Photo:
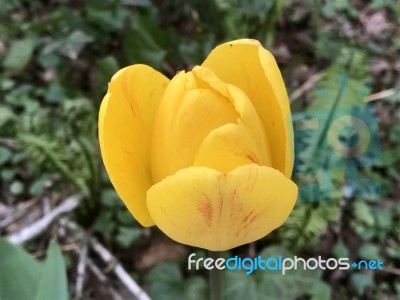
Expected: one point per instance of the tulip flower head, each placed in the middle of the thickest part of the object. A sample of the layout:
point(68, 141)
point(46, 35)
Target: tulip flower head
point(206, 156)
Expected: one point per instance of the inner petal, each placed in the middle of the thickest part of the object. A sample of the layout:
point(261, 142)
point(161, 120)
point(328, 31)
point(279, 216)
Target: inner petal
point(201, 112)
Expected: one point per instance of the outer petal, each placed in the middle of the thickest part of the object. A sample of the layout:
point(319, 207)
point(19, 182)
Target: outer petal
point(125, 127)
point(247, 65)
point(217, 211)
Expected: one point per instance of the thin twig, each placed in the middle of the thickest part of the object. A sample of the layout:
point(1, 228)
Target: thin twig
point(109, 259)
point(102, 278)
point(63, 248)
point(8, 143)
point(82, 253)
point(380, 95)
point(20, 210)
point(81, 270)
point(306, 86)
point(41, 225)
point(392, 271)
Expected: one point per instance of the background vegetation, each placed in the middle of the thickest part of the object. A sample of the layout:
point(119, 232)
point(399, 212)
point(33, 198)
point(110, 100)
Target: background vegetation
point(56, 57)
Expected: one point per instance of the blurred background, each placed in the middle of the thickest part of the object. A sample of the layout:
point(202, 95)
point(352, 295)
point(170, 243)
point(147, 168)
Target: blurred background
point(337, 57)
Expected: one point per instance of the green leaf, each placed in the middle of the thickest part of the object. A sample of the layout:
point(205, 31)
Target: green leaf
point(127, 236)
point(239, 286)
point(369, 251)
point(143, 44)
point(7, 174)
point(360, 281)
point(124, 217)
point(20, 272)
point(6, 115)
point(5, 155)
point(107, 19)
point(74, 43)
point(53, 284)
point(137, 2)
point(320, 291)
point(55, 93)
point(340, 250)
point(19, 54)
point(16, 187)
point(295, 283)
point(341, 4)
point(37, 186)
point(165, 282)
point(108, 66)
point(363, 213)
point(110, 198)
point(105, 223)
point(196, 288)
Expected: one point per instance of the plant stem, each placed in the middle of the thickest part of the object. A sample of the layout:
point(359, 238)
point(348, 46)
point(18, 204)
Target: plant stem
point(216, 285)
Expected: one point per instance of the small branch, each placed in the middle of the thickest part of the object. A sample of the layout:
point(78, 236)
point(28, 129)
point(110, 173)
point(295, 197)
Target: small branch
point(380, 95)
point(81, 271)
point(41, 225)
point(102, 278)
point(125, 278)
point(392, 271)
point(20, 210)
point(306, 86)
point(109, 259)
point(8, 143)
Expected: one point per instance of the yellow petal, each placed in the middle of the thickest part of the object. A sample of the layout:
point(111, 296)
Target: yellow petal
point(205, 208)
point(227, 148)
point(248, 115)
point(247, 65)
point(183, 120)
point(125, 127)
point(164, 125)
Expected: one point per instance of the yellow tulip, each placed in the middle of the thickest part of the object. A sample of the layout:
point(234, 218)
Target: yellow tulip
point(207, 156)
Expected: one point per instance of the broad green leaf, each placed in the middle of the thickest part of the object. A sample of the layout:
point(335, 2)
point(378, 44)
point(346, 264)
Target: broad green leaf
point(295, 283)
point(104, 222)
point(143, 44)
point(16, 187)
point(74, 43)
point(109, 198)
point(340, 250)
point(239, 286)
point(320, 291)
point(53, 284)
point(38, 186)
point(19, 272)
point(6, 115)
point(360, 281)
point(127, 235)
point(137, 2)
point(106, 18)
point(363, 213)
point(108, 66)
point(5, 155)
point(165, 282)
point(196, 288)
point(19, 54)
point(55, 92)
point(369, 251)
